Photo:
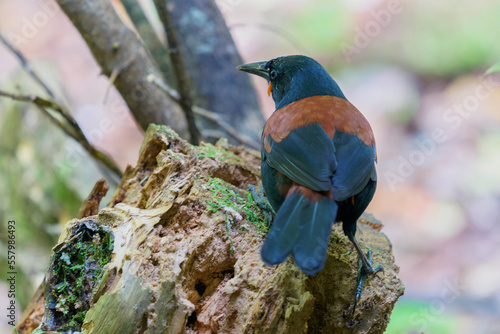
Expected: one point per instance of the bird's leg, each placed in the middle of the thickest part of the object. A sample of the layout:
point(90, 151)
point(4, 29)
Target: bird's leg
point(365, 268)
point(263, 203)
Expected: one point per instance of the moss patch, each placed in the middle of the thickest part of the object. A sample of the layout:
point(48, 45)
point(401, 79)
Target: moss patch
point(225, 195)
point(74, 273)
point(210, 151)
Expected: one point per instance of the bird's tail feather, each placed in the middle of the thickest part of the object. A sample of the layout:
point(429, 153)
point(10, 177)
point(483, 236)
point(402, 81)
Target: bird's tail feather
point(302, 226)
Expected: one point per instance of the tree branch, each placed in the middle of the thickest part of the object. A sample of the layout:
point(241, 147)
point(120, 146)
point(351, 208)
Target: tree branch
point(217, 119)
point(212, 116)
point(68, 124)
point(115, 46)
point(26, 65)
point(210, 57)
point(149, 37)
point(171, 93)
point(181, 77)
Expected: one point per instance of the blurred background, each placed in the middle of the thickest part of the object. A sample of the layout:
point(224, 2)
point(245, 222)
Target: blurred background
point(416, 69)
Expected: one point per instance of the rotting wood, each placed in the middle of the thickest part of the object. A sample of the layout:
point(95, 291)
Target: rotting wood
point(186, 254)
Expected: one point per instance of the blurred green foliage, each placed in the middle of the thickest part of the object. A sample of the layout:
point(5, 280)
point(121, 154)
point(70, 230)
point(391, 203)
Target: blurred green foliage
point(34, 194)
point(320, 28)
point(446, 38)
point(432, 38)
point(411, 316)
point(45, 175)
point(493, 69)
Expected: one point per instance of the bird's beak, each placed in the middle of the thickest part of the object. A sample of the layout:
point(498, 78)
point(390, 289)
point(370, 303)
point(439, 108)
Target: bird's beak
point(257, 68)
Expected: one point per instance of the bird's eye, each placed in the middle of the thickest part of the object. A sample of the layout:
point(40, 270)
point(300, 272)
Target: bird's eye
point(273, 74)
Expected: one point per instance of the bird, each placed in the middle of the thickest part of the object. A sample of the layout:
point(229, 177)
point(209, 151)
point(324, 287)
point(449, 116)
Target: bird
point(317, 166)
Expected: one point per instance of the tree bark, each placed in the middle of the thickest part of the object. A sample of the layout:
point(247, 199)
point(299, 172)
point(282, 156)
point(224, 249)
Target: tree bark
point(210, 57)
point(177, 250)
point(183, 84)
point(124, 57)
point(152, 41)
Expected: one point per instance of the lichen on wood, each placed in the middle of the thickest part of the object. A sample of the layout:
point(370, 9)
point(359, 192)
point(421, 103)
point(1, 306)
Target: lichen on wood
point(186, 254)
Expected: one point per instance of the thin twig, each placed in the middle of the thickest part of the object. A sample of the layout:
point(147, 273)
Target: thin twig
point(181, 76)
point(40, 101)
point(111, 82)
point(68, 124)
point(26, 65)
point(171, 93)
point(70, 128)
point(114, 74)
point(214, 117)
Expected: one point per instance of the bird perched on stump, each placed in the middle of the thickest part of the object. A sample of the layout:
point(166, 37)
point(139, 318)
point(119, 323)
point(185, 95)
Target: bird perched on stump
point(318, 164)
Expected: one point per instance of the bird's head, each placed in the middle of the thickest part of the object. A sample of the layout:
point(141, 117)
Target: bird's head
point(292, 78)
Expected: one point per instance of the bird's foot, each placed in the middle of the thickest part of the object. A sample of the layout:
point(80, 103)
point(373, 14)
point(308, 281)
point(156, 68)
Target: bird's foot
point(261, 200)
point(365, 268)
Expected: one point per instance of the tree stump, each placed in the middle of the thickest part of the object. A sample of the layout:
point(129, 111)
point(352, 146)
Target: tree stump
point(177, 250)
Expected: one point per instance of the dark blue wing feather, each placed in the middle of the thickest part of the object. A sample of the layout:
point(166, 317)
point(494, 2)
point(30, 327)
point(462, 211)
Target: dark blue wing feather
point(306, 156)
point(356, 165)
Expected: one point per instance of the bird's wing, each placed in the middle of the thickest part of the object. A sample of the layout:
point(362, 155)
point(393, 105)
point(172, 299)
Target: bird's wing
point(321, 142)
point(306, 156)
point(355, 165)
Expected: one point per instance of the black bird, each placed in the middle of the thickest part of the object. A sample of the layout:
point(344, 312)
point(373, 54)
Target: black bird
point(318, 164)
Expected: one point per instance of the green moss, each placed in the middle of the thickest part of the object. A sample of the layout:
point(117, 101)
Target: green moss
point(225, 196)
point(210, 151)
point(74, 273)
point(77, 320)
point(168, 132)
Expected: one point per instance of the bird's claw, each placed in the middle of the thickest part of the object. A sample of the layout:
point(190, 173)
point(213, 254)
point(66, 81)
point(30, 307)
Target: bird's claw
point(365, 269)
point(368, 269)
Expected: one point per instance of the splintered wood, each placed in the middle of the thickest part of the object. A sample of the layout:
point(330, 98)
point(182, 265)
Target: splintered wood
point(186, 254)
